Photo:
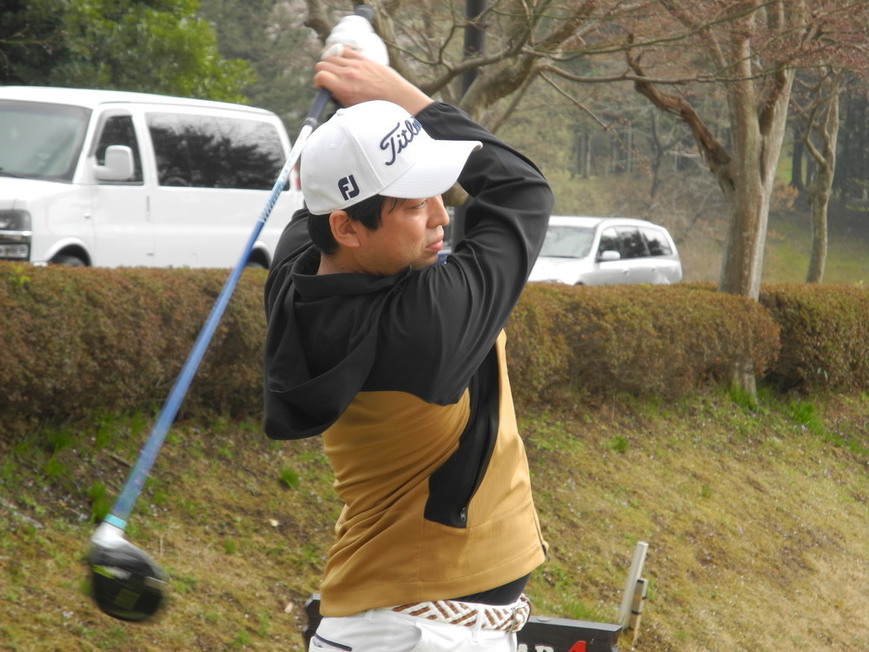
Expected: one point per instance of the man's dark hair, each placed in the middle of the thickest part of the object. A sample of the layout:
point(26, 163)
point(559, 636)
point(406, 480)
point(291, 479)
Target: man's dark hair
point(367, 212)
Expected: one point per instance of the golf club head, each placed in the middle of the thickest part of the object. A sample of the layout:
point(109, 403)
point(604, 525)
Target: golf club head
point(125, 582)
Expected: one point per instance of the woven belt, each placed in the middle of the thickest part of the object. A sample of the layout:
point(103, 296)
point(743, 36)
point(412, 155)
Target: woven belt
point(506, 618)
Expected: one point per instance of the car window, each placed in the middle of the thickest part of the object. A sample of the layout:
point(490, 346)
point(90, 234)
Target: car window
point(567, 242)
point(609, 241)
point(632, 242)
point(657, 242)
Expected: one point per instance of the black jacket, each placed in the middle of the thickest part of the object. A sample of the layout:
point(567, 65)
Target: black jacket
point(325, 333)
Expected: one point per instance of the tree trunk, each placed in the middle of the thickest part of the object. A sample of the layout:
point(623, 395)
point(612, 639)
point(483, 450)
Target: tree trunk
point(821, 189)
point(818, 258)
point(797, 159)
point(758, 117)
point(742, 263)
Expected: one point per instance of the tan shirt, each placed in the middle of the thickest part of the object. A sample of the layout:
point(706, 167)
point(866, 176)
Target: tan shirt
point(383, 449)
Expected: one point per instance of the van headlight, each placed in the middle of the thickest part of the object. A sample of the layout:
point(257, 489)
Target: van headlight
point(15, 235)
point(14, 221)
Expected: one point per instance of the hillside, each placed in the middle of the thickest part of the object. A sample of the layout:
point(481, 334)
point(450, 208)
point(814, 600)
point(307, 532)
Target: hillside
point(756, 523)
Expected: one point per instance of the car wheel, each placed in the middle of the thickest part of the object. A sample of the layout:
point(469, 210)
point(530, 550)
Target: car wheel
point(69, 261)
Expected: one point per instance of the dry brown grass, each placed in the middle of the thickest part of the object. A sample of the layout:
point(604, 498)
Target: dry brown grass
point(756, 524)
point(757, 528)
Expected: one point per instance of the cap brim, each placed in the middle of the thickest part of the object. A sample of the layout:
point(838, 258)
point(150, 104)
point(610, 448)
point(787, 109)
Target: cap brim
point(435, 172)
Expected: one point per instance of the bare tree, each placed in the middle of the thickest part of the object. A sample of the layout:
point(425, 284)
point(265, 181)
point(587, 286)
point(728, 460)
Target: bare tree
point(820, 135)
point(523, 40)
point(751, 49)
point(844, 62)
point(738, 39)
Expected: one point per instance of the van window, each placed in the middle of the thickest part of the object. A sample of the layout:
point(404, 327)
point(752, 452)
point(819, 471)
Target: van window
point(215, 152)
point(40, 140)
point(657, 242)
point(118, 130)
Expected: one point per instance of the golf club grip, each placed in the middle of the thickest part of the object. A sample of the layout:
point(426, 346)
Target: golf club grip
point(135, 481)
point(317, 107)
point(323, 96)
point(365, 11)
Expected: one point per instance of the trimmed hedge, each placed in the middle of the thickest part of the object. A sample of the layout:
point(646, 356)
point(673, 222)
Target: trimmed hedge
point(665, 341)
point(79, 339)
point(74, 340)
point(825, 337)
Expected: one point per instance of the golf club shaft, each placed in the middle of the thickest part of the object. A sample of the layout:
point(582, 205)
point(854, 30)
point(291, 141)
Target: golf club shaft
point(120, 511)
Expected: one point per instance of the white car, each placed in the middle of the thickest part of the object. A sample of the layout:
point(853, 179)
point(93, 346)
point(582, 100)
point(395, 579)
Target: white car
point(607, 251)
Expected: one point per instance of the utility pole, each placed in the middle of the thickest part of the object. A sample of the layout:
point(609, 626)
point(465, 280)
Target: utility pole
point(475, 38)
point(475, 43)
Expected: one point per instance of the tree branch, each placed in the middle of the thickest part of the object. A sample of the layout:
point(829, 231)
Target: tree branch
point(573, 100)
point(711, 149)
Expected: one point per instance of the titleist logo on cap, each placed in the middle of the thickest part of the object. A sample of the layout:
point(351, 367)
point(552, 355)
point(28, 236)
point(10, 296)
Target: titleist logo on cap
point(393, 143)
point(397, 138)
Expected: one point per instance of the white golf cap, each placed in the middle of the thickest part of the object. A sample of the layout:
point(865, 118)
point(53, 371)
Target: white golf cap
point(376, 148)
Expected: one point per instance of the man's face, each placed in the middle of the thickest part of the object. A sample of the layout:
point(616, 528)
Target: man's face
point(410, 235)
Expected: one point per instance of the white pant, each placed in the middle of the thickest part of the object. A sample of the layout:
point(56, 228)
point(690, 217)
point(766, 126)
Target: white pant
point(383, 630)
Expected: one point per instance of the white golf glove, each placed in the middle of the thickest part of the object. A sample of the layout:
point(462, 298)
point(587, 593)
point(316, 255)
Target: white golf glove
point(357, 33)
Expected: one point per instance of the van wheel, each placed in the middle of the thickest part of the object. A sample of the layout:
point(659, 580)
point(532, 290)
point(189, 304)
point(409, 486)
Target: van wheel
point(69, 261)
point(254, 264)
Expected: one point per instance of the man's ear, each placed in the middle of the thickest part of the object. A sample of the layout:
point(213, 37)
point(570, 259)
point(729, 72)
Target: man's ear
point(344, 230)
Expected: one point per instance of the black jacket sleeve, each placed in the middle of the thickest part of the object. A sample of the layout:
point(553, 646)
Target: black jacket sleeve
point(461, 306)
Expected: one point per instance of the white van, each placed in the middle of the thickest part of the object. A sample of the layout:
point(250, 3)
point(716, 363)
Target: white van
point(110, 178)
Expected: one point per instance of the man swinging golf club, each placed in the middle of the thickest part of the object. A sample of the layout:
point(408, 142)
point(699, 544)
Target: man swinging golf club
point(399, 363)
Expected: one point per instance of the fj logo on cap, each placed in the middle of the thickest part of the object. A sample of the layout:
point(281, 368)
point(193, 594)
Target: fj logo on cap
point(347, 186)
point(397, 139)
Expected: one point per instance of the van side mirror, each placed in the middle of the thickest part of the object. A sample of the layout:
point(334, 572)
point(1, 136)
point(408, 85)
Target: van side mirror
point(609, 255)
point(118, 165)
